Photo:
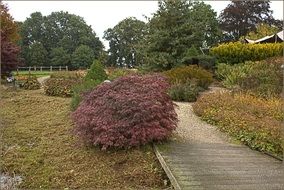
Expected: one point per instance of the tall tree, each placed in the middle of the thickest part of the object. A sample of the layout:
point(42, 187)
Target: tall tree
point(59, 57)
point(175, 27)
point(123, 40)
point(82, 57)
point(37, 54)
point(59, 29)
point(241, 17)
point(9, 37)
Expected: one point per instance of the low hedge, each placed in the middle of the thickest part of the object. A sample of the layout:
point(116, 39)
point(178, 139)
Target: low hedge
point(237, 52)
point(190, 74)
point(254, 121)
point(31, 83)
point(60, 86)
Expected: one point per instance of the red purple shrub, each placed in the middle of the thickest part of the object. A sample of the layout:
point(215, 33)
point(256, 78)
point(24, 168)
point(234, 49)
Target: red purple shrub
point(130, 111)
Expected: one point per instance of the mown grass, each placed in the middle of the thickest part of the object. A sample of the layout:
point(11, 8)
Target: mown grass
point(34, 73)
point(38, 144)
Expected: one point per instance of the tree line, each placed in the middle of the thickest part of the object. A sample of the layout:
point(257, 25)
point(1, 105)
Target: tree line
point(164, 40)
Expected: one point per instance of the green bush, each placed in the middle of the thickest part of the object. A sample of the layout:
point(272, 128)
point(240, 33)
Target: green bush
point(95, 76)
point(205, 61)
point(190, 74)
point(184, 92)
point(59, 86)
point(96, 72)
point(255, 121)
point(31, 83)
point(237, 52)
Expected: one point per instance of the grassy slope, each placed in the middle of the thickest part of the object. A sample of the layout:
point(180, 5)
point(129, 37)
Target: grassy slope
point(37, 143)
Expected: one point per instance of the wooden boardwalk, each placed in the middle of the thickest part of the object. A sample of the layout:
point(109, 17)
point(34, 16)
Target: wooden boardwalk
point(202, 166)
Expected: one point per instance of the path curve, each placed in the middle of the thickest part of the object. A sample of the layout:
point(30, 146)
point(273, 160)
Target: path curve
point(42, 79)
point(202, 157)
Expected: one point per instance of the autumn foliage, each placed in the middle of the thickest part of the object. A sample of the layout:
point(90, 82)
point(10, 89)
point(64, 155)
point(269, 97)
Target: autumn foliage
point(9, 35)
point(130, 111)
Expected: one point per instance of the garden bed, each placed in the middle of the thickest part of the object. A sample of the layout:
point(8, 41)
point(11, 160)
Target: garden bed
point(38, 144)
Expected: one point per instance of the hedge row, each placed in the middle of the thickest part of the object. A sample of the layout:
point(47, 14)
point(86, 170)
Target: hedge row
point(237, 52)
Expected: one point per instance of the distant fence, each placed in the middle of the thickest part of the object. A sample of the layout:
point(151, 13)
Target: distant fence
point(43, 68)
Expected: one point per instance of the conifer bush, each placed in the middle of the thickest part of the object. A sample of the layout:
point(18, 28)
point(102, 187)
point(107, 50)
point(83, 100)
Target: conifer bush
point(94, 76)
point(130, 111)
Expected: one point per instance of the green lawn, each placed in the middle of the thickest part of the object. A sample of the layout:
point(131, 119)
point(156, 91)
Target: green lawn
point(38, 144)
point(34, 73)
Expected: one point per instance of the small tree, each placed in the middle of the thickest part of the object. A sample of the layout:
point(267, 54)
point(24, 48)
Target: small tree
point(82, 57)
point(96, 72)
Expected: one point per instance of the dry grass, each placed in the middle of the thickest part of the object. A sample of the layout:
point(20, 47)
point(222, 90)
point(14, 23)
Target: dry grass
point(38, 144)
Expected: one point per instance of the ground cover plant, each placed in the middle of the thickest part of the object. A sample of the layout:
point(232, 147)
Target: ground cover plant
point(37, 143)
point(130, 111)
point(264, 78)
point(254, 121)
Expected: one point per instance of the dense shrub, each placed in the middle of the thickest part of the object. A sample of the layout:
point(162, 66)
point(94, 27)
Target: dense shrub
point(265, 78)
point(184, 92)
point(117, 72)
point(205, 61)
point(68, 74)
point(192, 74)
point(96, 72)
point(31, 83)
point(59, 86)
point(95, 76)
point(130, 111)
point(236, 52)
point(254, 121)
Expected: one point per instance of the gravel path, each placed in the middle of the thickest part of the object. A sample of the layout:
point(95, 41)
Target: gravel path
point(191, 128)
point(42, 79)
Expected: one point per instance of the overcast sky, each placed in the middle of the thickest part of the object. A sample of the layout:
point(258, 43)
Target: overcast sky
point(102, 15)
